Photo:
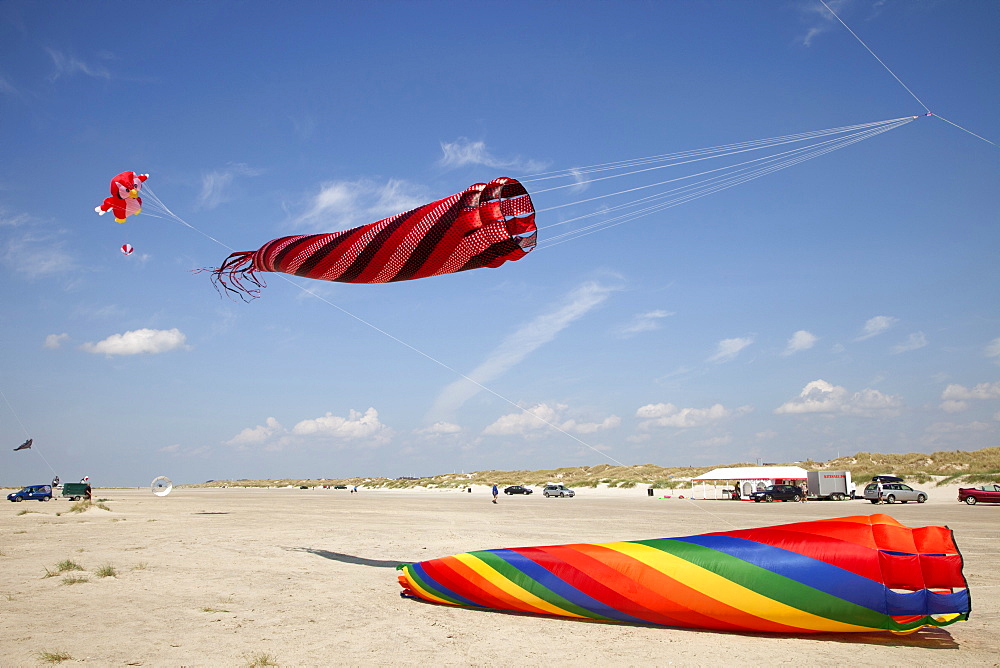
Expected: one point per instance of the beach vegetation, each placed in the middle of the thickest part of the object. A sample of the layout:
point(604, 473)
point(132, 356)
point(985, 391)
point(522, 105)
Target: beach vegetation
point(106, 571)
point(74, 579)
point(941, 467)
point(54, 657)
point(25, 512)
point(258, 659)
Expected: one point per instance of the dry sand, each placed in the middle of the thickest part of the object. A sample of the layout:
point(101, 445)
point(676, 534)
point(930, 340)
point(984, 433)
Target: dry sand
point(226, 577)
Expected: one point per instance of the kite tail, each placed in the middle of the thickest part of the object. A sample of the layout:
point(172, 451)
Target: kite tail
point(235, 273)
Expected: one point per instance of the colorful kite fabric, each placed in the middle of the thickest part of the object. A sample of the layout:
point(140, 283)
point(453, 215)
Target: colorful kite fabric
point(485, 225)
point(124, 200)
point(852, 574)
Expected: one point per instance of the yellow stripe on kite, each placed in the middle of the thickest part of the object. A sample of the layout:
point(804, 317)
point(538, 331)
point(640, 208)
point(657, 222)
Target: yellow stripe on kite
point(721, 589)
point(424, 593)
point(515, 591)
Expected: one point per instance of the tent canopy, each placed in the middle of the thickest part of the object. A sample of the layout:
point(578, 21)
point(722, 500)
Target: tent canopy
point(754, 473)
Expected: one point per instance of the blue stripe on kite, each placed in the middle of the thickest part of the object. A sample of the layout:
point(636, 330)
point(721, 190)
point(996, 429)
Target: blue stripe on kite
point(558, 586)
point(437, 587)
point(811, 572)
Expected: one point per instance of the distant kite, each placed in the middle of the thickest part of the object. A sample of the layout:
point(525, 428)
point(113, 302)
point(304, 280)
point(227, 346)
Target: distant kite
point(124, 200)
point(25, 446)
point(851, 574)
point(127, 249)
point(485, 225)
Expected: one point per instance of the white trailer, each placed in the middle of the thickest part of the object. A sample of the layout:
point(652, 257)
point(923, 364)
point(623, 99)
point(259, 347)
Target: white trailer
point(834, 485)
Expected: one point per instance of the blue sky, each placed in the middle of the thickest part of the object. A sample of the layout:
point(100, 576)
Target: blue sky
point(845, 304)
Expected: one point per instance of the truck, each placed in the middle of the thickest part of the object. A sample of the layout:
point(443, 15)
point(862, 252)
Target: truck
point(833, 485)
point(75, 491)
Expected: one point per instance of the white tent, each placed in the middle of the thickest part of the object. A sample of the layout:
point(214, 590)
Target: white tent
point(751, 478)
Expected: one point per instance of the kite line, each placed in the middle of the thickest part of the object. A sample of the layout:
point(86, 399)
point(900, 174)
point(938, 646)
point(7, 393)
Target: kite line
point(907, 88)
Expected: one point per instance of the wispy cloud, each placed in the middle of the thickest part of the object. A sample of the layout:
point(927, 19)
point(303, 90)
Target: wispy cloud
point(801, 340)
point(34, 250)
point(521, 343)
point(818, 20)
point(914, 341)
point(645, 322)
point(824, 398)
point(215, 185)
point(993, 350)
point(69, 65)
point(139, 342)
point(728, 349)
point(341, 205)
point(877, 325)
point(463, 152)
point(55, 340)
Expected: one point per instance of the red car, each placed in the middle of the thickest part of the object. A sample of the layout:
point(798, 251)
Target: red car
point(981, 494)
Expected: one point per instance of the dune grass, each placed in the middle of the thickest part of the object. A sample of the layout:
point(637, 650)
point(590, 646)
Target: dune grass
point(54, 657)
point(106, 571)
point(258, 659)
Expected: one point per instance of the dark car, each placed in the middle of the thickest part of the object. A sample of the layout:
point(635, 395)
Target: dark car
point(32, 493)
point(516, 489)
point(778, 493)
point(340, 486)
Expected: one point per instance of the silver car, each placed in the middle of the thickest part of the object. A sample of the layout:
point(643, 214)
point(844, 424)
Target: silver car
point(893, 492)
point(557, 490)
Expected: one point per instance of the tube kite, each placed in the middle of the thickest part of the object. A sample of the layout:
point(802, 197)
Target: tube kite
point(851, 574)
point(124, 200)
point(485, 225)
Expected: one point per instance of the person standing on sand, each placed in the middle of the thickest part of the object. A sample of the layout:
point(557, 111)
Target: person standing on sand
point(496, 492)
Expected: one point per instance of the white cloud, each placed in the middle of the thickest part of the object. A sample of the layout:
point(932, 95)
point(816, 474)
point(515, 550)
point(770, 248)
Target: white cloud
point(914, 341)
point(356, 426)
point(34, 251)
point(463, 152)
point(819, 20)
point(341, 205)
point(55, 340)
point(669, 415)
point(822, 397)
point(536, 419)
point(645, 322)
point(139, 341)
point(877, 325)
point(993, 349)
point(68, 65)
point(258, 434)
point(215, 184)
point(728, 349)
point(521, 343)
point(955, 398)
point(801, 340)
point(441, 428)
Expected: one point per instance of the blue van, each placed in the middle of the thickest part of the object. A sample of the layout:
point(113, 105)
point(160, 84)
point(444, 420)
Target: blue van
point(32, 493)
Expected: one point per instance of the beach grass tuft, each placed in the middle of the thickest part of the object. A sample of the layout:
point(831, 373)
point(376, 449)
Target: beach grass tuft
point(54, 657)
point(106, 571)
point(258, 659)
point(74, 579)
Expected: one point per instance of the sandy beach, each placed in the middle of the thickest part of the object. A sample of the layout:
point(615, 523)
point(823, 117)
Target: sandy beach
point(230, 577)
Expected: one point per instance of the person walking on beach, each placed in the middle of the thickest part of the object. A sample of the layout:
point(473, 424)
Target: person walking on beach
point(880, 491)
point(496, 492)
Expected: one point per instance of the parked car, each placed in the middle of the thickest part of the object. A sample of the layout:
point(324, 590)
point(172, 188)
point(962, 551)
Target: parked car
point(555, 489)
point(893, 492)
point(516, 489)
point(777, 493)
point(340, 486)
point(981, 494)
point(32, 493)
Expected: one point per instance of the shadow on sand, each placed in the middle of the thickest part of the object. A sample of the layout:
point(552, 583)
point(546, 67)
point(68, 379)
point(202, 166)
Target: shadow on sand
point(348, 558)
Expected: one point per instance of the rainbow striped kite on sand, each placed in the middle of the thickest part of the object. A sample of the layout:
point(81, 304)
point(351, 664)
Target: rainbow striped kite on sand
point(850, 574)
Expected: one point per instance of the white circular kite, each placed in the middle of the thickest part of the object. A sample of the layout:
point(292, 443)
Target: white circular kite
point(161, 486)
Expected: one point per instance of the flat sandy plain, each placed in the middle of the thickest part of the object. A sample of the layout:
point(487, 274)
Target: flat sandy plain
point(226, 577)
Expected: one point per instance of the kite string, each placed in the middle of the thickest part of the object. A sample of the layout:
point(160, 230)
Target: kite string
point(862, 42)
point(25, 430)
point(907, 88)
point(170, 215)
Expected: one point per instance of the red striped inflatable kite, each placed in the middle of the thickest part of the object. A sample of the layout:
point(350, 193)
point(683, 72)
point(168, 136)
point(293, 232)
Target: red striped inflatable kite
point(485, 225)
point(851, 574)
